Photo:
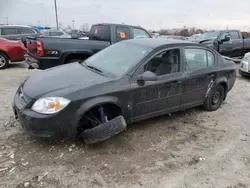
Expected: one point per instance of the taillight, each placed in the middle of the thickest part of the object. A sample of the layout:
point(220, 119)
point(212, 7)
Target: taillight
point(40, 51)
point(41, 36)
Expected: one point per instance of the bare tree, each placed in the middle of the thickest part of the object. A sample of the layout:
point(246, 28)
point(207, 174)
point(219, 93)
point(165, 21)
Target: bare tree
point(85, 27)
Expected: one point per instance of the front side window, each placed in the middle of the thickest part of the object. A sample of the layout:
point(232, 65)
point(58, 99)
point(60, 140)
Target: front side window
point(198, 59)
point(122, 33)
point(234, 35)
point(10, 31)
point(139, 33)
point(167, 62)
point(118, 58)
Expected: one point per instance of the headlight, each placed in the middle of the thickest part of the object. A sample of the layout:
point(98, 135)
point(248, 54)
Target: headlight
point(50, 105)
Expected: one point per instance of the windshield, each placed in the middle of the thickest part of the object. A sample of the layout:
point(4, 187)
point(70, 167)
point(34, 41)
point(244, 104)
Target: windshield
point(209, 35)
point(117, 59)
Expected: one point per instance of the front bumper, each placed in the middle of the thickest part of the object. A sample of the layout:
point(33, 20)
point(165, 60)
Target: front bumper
point(244, 68)
point(33, 63)
point(56, 126)
point(41, 63)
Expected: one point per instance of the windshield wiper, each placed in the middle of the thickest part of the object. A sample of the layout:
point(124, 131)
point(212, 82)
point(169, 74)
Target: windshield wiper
point(93, 68)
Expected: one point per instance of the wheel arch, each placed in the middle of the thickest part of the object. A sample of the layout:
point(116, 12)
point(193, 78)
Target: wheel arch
point(92, 103)
point(221, 81)
point(78, 54)
point(3, 52)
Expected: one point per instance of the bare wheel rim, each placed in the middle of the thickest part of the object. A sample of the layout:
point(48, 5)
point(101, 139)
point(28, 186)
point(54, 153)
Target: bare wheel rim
point(2, 61)
point(216, 97)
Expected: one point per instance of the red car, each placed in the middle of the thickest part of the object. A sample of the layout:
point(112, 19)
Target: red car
point(10, 50)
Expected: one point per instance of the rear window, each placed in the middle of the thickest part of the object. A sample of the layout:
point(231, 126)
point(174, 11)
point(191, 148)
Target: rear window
point(102, 31)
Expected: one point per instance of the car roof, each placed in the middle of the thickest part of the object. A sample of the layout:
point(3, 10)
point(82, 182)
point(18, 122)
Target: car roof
point(114, 24)
point(16, 26)
point(157, 42)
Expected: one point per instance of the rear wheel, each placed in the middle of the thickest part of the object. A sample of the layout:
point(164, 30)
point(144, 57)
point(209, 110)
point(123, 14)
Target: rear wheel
point(215, 98)
point(4, 61)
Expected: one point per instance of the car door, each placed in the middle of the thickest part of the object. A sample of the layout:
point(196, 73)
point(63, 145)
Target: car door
point(10, 33)
point(237, 42)
point(200, 70)
point(225, 47)
point(162, 95)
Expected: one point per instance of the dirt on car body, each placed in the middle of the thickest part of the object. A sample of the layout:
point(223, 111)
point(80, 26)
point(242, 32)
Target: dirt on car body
point(191, 148)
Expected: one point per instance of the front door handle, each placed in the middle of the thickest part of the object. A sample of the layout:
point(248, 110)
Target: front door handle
point(211, 75)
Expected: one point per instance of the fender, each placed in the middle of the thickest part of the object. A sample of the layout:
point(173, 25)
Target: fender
point(86, 106)
point(4, 51)
point(66, 53)
point(213, 83)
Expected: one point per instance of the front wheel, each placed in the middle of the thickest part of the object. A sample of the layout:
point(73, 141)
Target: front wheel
point(4, 61)
point(214, 98)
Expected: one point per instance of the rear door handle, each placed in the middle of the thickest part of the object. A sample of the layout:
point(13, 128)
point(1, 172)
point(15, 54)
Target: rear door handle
point(176, 82)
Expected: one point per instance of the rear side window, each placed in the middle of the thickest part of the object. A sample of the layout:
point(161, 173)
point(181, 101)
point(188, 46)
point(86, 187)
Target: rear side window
point(122, 33)
point(198, 59)
point(27, 31)
point(139, 33)
point(10, 31)
point(56, 33)
point(102, 31)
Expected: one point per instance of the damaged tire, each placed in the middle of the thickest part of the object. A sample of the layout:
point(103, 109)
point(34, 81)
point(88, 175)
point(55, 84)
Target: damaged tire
point(104, 130)
point(214, 98)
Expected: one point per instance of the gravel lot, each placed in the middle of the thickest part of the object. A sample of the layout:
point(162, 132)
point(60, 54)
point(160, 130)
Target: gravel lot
point(188, 149)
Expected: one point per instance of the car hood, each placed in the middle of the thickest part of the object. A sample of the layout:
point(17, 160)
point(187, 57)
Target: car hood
point(62, 80)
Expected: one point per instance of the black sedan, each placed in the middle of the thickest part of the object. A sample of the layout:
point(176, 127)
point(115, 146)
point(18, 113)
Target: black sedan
point(124, 83)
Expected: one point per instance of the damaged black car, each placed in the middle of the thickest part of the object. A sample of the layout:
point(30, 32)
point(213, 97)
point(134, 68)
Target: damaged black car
point(127, 82)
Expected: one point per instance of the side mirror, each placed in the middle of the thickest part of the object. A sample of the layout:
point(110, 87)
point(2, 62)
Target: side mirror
point(226, 38)
point(146, 76)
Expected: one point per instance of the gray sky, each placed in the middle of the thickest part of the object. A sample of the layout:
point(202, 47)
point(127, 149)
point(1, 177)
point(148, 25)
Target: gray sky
point(151, 14)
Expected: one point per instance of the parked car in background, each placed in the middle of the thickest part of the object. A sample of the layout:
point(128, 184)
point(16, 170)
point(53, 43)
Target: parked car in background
point(171, 37)
point(193, 37)
point(245, 66)
point(75, 33)
point(10, 51)
point(17, 32)
point(126, 82)
point(229, 43)
point(55, 33)
point(44, 53)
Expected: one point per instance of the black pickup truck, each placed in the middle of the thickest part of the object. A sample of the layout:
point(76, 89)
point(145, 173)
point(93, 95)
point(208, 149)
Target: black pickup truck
point(43, 53)
point(229, 43)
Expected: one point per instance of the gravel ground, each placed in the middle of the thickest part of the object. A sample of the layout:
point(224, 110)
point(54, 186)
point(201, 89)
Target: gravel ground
point(188, 149)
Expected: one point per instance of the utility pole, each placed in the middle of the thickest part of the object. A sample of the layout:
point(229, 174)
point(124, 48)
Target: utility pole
point(7, 20)
point(57, 26)
point(73, 21)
